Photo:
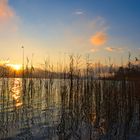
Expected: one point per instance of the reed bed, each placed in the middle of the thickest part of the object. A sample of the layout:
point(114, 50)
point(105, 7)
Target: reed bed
point(75, 106)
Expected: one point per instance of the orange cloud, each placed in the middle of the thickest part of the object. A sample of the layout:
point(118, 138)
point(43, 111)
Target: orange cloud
point(99, 39)
point(113, 49)
point(110, 49)
point(6, 13)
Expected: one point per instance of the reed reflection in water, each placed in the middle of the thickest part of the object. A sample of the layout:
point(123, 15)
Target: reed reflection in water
point(74, 109)
point(29, 108)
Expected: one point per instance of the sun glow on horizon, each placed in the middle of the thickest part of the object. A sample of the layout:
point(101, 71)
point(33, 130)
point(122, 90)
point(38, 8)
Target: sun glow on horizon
point(16, 67)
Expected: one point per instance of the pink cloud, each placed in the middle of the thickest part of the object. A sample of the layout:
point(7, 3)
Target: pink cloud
point(8, 18)
point(6, 13)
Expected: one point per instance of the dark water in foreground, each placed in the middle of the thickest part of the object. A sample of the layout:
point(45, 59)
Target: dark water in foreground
point(42, 109)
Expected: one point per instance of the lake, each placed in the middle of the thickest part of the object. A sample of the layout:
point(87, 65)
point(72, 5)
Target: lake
point(78, 109)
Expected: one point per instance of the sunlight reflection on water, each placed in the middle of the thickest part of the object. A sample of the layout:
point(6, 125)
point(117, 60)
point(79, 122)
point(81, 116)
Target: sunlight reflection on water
point(16, 91)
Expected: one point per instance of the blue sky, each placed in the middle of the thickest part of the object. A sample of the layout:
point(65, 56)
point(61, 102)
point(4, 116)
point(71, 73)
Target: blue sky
point(101, 28)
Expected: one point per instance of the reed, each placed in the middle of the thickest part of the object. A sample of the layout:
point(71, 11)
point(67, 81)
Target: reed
point(76, 105)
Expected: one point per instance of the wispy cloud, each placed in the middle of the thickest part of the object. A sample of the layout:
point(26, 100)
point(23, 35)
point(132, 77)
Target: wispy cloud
point(79, 12)
point(6, 12)
point(114, 49)
point(94, 50)
point(8, 18)
point(86, 34)
point(99, 38)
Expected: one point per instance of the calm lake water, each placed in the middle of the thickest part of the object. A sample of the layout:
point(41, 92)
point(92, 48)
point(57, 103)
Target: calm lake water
point(29, 111)
point(42, 109)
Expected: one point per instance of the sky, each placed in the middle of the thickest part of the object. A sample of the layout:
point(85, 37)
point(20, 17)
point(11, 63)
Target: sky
point(54, 28)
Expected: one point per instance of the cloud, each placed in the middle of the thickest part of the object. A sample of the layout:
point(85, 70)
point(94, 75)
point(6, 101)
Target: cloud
point(79, 34)
point(94, 50)
point(113, 49)
point(8, 19)
point(79, 12)
point(99, 38)
point(6, 12)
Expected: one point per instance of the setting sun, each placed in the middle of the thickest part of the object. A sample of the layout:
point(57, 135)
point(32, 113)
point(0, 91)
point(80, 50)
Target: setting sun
point(16, 67)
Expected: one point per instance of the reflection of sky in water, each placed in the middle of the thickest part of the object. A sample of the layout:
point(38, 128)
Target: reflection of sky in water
point(44, 111)
point(16, 91)
point(37, 110)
